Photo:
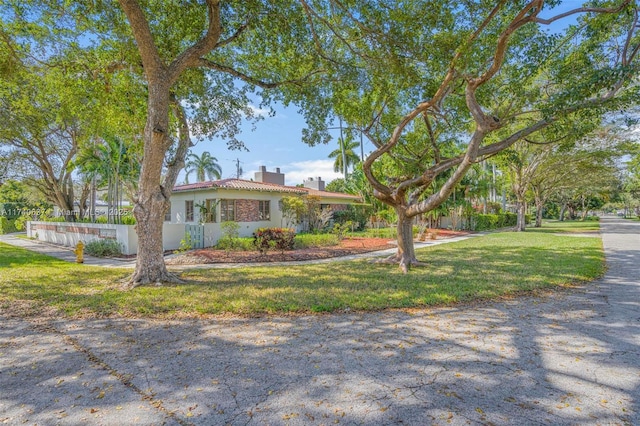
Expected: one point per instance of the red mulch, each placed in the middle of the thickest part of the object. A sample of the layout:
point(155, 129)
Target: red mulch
point(348, 246)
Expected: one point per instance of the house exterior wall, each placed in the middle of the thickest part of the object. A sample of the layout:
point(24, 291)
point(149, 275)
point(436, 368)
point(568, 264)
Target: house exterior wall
point(247, 213)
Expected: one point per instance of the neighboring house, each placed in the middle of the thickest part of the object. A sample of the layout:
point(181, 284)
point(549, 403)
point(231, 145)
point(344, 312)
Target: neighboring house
point(253, 204)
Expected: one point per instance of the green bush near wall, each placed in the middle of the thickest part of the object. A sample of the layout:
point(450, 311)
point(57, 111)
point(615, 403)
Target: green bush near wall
point(103, 248)
point(485, 222)
point(7, 225)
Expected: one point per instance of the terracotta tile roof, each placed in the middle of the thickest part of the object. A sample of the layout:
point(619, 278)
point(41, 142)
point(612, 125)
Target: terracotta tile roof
point(248, 185)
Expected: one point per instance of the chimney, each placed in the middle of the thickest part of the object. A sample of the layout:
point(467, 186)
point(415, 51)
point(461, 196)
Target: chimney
point(317, 184)
point(269, 177)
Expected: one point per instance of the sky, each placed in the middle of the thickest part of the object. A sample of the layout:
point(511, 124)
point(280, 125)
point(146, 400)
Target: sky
point(276, 142)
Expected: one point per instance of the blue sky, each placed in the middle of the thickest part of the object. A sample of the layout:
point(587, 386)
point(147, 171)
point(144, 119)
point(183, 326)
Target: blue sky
point(276, 141)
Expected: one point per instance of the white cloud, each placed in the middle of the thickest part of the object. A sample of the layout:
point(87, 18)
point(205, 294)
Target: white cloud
point(260, 112)
point(297, 172)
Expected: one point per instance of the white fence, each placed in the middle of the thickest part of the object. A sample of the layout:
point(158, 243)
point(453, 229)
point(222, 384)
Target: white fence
point(69, 233)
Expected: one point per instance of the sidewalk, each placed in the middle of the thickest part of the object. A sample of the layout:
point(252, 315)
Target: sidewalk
point(570, 358)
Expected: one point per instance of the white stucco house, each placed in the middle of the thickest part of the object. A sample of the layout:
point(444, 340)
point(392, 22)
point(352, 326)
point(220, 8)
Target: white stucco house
point(198, 209)
point(252, 203)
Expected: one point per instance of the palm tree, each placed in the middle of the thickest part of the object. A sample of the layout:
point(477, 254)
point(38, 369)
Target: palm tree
point(345, 155)
point(205, 165)
point(110, 162)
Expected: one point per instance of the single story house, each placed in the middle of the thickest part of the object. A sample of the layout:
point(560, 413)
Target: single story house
point(198, 209)
point(252, 203)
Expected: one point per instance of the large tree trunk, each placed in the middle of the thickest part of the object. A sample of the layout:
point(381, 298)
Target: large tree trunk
point(539, 207)
point(150, 266)
point(585, 210)
point(152, 200)
point(521, 207)
point(563, 210)
point(406, 255)
point(406, 251)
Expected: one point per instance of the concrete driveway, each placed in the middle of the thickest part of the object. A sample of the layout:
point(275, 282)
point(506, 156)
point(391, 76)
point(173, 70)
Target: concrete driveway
point(571, 358)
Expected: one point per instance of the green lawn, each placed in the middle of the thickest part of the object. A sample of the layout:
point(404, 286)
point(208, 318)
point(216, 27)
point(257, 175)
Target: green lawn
point(480, 268)
point(568, 226)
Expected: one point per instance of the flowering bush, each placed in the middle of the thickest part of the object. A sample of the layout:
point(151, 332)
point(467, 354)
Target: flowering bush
point(281, 239)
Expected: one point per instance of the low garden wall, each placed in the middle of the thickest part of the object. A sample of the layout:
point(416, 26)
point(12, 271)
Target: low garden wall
point(69, 233)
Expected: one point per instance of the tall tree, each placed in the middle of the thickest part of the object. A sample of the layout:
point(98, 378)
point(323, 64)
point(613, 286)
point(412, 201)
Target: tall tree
point(522, 160)
point(197, 63)
point(40, 131)
point(491, 77)
point(204, 165)
point(111, 163)
point(591, 171)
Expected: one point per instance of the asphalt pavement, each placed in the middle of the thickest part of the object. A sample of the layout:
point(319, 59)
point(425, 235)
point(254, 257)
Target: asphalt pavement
point(568, 358)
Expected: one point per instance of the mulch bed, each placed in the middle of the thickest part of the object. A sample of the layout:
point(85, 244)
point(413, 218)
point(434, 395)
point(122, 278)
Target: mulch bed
point(348, 246)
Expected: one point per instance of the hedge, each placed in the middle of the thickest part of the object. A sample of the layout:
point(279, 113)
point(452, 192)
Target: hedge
point(484, 222)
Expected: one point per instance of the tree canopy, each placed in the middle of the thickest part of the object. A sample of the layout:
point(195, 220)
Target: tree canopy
point(436, 86)
point(439, 86)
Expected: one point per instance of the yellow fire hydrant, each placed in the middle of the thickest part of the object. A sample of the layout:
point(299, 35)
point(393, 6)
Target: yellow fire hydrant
point(79, 251)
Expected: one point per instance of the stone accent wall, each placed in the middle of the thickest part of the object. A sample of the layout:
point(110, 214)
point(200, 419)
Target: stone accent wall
point(247, 211)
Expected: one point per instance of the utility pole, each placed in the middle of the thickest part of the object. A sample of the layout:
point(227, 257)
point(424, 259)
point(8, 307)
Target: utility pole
point(238, 169)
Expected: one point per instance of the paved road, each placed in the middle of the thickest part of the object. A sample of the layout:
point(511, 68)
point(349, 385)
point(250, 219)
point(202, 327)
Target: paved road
point(569, 359)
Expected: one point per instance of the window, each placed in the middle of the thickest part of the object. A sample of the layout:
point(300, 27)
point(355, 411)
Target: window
point(167, 215)
point(210, 215)
point(264, 209)
point(227, 210)
point(188, 211)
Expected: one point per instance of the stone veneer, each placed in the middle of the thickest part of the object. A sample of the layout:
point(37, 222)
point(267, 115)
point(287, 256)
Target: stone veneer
point(248, 211)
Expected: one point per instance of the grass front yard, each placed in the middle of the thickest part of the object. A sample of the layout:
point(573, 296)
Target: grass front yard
point(488, 267)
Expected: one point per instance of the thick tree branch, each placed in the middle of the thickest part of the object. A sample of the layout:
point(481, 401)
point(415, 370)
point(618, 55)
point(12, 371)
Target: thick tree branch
point(184, 142)
point(206, 44)
point(154, 67)
point(233, 37)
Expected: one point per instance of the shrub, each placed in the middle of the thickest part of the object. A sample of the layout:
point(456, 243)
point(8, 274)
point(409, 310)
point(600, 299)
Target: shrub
point(483, 222)
point(235, 244)
point(11, 210)
point(185, 244)
point(21, 222)
point(54, 219)
point(302, 241)
point(358, 215)
point(103, 248)
point(281, 239)
point(128, 220)
point(230, 237)
point(341, 229)
point(386, 232)
point(7, 225)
